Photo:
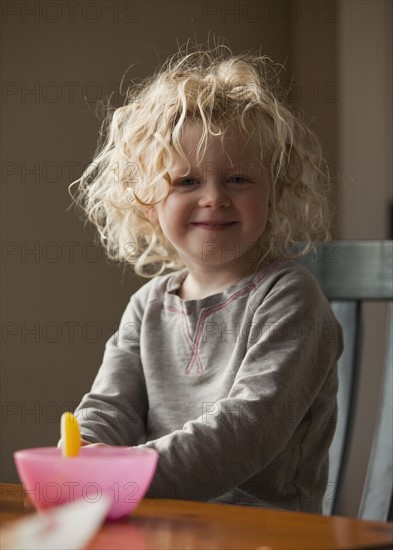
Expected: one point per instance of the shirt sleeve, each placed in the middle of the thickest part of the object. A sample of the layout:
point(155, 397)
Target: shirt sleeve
point(114, 411)
point(294, 342)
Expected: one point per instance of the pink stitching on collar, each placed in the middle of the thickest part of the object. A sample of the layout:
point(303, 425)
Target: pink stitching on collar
point(194, 344)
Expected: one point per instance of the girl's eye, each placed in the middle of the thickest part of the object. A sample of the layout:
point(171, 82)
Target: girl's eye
point(237, 179)
point(187, 182)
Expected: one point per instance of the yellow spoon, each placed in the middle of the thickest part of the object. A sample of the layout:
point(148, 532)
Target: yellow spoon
point(70, 435)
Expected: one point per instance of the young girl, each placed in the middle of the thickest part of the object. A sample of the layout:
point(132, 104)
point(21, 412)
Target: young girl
point(225, 361)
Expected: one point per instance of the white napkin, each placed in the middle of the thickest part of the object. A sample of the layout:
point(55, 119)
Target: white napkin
point(66, 527)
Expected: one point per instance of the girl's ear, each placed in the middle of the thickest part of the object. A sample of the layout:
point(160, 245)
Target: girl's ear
point(151, 214)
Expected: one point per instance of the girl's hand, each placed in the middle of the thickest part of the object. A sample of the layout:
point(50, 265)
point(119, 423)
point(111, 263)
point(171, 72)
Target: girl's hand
point(85, 443)
point(89, 445)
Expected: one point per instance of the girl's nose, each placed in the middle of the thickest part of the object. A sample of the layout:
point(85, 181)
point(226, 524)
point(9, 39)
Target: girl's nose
point(214, 195)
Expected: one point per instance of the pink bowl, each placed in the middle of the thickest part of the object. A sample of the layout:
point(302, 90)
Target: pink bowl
point(124, 474)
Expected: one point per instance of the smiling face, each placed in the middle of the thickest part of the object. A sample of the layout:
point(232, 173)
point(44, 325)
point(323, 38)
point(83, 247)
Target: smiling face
point(217, 210)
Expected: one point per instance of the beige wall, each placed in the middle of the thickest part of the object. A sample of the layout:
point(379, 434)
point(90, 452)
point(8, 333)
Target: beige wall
point(60, 299)
point(315, 51)
point(365, 118)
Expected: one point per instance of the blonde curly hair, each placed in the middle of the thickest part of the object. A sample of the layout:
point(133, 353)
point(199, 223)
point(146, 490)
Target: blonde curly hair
point(219, 90)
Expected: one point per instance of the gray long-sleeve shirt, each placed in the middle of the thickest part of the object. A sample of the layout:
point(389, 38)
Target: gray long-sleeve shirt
point(237, 391)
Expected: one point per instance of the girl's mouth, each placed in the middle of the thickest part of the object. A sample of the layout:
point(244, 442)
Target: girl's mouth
point(214, 225)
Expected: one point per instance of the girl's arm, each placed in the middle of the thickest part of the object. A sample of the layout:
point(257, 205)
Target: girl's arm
point(115, 409)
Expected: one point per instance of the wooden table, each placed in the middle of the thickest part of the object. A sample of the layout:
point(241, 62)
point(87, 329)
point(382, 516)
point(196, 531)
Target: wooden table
point(185, 525)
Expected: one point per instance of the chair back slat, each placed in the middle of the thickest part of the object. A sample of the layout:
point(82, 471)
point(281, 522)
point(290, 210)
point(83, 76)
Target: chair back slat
point(348, 314)
point(347, 270)
point(376, 504)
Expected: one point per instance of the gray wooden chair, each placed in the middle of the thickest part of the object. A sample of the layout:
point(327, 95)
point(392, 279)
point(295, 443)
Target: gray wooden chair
point(349, 273)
